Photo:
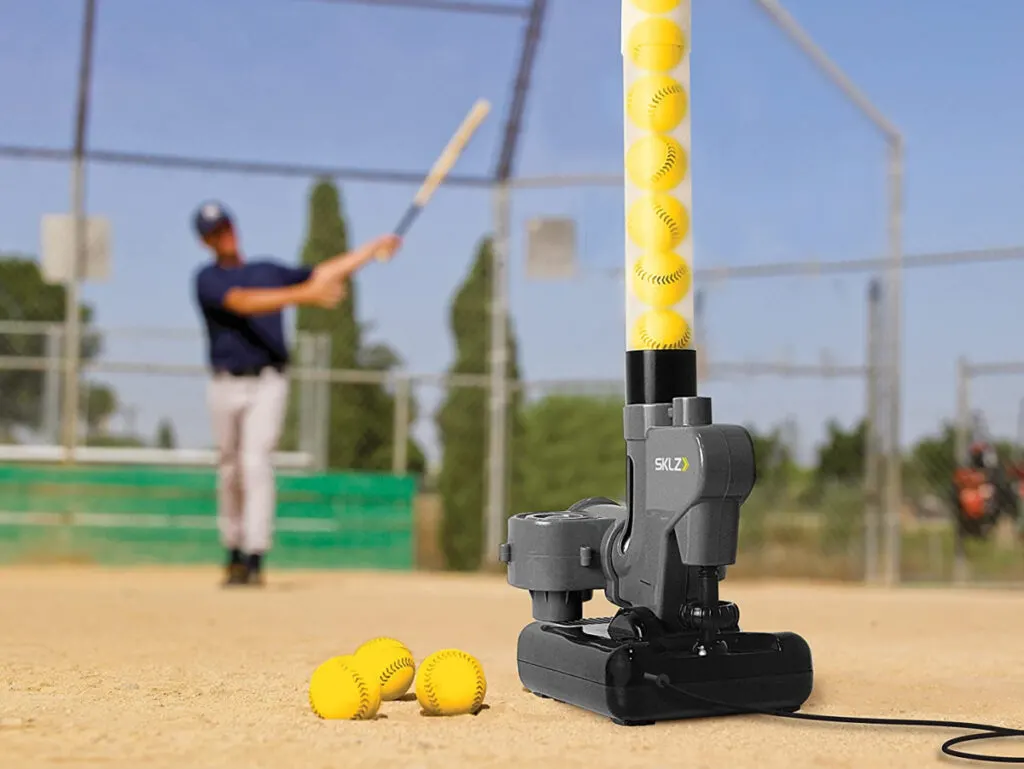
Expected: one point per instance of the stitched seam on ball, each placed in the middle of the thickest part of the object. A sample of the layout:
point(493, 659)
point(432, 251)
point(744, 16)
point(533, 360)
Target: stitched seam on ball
point(648, 340)
point(393, 668)
point(661, 280)
point(638, 46)
point(478, 692)
point(428, 687)
point(661, 94)
point(670, 161)
point(667, 220)
point(364, 692)
point(364, 695)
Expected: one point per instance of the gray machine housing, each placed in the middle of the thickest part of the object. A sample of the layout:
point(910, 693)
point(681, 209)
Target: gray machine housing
point(660, 558)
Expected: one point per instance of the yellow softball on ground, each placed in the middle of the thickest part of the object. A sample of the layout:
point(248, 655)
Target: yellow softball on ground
point(656, 103)
point(656, 163)
point(450, 683)
point(656, 44)
point(656, 6)
point(660, 279)
point(393, 665)
point(660, 330)
point(380, 642)
point(657, 222)
point(341, 688)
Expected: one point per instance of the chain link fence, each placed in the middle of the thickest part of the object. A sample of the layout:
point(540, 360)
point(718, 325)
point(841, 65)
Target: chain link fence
point(821, 425)
point(815, 511)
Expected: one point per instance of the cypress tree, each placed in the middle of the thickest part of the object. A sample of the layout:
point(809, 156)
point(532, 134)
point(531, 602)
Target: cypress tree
point(573, 449)
point(361, 430)
point(463, 422)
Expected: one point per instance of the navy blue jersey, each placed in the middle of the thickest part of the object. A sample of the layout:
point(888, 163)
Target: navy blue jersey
point(244, 343)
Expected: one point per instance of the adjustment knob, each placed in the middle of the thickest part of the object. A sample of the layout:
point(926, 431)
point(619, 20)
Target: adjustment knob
point(722, 615)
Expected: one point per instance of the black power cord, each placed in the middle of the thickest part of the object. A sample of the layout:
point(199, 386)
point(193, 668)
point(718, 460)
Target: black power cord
point(986, 731)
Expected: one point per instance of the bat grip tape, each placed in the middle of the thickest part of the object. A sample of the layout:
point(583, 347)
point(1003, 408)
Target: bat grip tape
point(406, 222)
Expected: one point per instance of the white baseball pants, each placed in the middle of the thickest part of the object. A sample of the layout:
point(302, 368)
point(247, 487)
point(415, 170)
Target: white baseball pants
point(247, 413)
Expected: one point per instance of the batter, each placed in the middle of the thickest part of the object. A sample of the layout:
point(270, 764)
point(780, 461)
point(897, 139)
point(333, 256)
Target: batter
point(241, 303)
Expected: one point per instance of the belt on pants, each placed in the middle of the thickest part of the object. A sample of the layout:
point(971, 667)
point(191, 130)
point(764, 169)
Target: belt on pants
point(252, 371)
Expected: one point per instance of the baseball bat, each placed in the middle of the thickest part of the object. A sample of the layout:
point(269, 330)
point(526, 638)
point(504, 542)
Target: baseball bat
point(444, 164)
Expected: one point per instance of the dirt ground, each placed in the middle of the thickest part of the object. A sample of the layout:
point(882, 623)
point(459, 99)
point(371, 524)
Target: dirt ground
point(155, 668)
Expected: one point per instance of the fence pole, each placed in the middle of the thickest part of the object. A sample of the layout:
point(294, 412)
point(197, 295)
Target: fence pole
point(50, 422)
point(1018, 454)
point(72, 319)
point(322, 443)
point(496, 459)
point(963, 409)
point(963, 429)
point(894, 465)
point(872, 509)
point(894, 141)
point(305, 388)
point(400, 455)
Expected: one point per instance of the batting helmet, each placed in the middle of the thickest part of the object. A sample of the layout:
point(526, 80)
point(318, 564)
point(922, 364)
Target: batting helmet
point(210, 217)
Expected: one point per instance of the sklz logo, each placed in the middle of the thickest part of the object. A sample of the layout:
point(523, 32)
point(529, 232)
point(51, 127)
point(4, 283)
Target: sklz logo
point(671, 464)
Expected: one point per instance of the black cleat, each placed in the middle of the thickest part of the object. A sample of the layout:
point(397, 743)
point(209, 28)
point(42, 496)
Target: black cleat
point(254, 570)
point(236, 571)
point(236, 575)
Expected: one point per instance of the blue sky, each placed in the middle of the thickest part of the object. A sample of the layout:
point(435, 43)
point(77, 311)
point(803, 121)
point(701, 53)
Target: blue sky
point(783, 169)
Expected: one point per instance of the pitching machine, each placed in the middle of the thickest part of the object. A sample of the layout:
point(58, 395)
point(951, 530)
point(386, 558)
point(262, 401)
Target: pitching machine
point(673, 649)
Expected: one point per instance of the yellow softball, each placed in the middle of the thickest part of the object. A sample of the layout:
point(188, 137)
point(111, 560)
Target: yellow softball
point(656, 103)
point(393, 665)
point(657, 222)
point(341, 688)
point(656, 44)
point(656, 163)
point(656, 6)
point(660, 279)
point(379, 642)
point(660, 330)
point(450, 682)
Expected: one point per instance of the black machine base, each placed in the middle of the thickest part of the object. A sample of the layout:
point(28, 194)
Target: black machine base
point(582, 664)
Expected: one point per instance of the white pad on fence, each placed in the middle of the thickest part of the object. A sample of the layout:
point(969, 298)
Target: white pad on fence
point(58, 244)
point(550, 249)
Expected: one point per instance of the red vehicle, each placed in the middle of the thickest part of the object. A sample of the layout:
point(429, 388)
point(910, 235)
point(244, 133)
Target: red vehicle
point(985, 491)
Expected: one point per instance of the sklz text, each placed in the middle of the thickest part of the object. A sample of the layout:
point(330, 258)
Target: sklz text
point(671, 464)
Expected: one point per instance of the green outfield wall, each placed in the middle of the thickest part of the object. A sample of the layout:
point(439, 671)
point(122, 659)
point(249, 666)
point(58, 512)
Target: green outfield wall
point(139, 515)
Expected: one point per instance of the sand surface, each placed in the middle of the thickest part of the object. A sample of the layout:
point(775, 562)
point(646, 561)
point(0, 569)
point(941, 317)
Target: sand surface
point(159, 668)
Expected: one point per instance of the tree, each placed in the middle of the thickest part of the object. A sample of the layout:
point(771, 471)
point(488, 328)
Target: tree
point(25, 296)
point(773, 458)
point(165, 437)
point(361, 434)
point(841, 457)
point(931, 463)
point(462, 421)
point(99, 404)
point(572, 448)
